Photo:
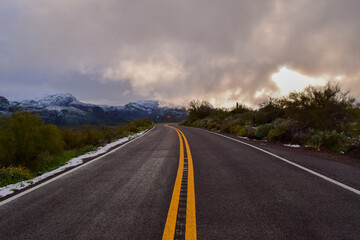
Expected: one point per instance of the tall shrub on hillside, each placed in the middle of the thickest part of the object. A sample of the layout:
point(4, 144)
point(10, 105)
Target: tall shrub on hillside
point(24, 136)
point(283, 130)
point(199, 109)
point(270, 110)
point(325, 108)
point(240, 108)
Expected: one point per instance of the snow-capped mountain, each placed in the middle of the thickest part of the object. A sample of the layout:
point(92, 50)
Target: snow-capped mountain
point(62, 99)
point(65, 109)
point(4, 104)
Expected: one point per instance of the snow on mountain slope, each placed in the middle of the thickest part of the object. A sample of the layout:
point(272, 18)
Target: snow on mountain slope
point(142, 105)
point(62, 99)
point(65, 109)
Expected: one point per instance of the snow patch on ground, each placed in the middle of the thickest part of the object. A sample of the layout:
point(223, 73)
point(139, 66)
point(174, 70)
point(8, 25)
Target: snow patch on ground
point(9, 189)
point(292, 145)
point(243, 137)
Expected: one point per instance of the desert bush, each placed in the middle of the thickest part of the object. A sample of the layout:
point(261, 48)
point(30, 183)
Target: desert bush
point(12, 174)
point(213, 124)
point(198, 123)
point(23, 136)
point(199, 109)
point(246, 117)
point(335, 141)
point(317, 140)
point(220, 113)
point(228, 123)
point(26, 142)
point(262, 131)
point(89, 136)
point(355, 128)
point(306, 117)
point(283, 130)
point(71, 139)
point(324, 108)
point(246, 131)
point(108, 133)
point(130, 128)
point(276, 134)
point(301, 138)
point(51, 139)
point(142, 122)
point(240, 108)
point(269, 110)
point(331, 140)
point(235, 129)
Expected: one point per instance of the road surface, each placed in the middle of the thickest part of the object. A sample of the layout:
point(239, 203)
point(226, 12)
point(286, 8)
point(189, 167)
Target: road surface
point(176, 182)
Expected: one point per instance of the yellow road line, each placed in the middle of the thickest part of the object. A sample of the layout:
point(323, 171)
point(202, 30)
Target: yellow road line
point(169, 230)
point(190, 228)
point(190, 232)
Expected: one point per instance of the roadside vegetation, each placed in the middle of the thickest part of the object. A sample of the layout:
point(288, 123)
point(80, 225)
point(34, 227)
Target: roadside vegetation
point(29, 147)
point(324, 118)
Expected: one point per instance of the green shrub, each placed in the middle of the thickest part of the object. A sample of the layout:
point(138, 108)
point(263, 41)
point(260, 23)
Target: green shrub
point(356, 128)
point(317, 140)
point(89, 136)
point(228, 124)
point(23, 137)
point(235, 129)
point(276, 134)
point(335, 141)
point(301, 138)
point(11, 175)
point(212, 124)
point(142, 122)
point(324, 108)
point(131, 128)
point(26, 141)
point(71, 138)
point(331, 140)
point(135, 126)
point(199, 109)
point(246, 131)
point(262, 131)
point(328, 109)
point(283, 130)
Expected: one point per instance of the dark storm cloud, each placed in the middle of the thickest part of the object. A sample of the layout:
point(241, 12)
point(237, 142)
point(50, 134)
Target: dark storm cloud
point(116, 51)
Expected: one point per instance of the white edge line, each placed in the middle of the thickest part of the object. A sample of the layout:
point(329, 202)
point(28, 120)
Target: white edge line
point(354, 190)
point(68, 172)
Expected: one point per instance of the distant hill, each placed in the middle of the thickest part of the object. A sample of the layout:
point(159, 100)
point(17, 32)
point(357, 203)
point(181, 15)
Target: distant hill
point(65, 109)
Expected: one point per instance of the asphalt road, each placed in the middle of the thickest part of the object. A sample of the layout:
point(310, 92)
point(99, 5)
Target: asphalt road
point(240, 193)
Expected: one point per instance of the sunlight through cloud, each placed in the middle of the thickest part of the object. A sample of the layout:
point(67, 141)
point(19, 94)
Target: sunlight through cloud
point(289, 80)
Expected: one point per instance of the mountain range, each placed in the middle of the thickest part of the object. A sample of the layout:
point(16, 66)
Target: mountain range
point(65, 109)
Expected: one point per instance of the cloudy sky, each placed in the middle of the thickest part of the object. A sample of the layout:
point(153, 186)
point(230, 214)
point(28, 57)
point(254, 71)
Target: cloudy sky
point(116, 51)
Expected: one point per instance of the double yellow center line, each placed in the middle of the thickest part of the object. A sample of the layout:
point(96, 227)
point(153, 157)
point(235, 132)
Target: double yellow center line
point(183, 197)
